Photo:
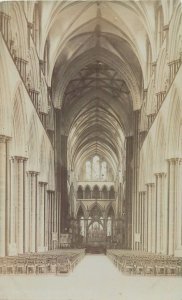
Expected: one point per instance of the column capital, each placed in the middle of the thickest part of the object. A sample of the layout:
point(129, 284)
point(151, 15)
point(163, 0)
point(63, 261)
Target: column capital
point(174, 160)
point(42, 182)
point(160, 174)
point(4, 138)
point(33, 173)
point(19, 158)
point(142, 192)
point(150, 184)
point(50, 191)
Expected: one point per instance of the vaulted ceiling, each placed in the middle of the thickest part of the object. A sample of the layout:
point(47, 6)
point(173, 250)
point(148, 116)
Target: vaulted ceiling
point(97, 55)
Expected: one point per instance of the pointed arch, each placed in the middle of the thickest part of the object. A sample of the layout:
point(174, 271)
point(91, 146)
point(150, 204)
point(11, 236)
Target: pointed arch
point(112, 192)
point(96, 192)
point(174, 127)
point(160, 146)
point(150, 161)
point(5, 107)
point(88, 194)
point(19, 133)
point(43, 160)
point(96, 208)
point(109, 208)
point(81, 208)
point(51, 182)
point(33, 142)
point(175, 37)
point(104, 192)
point(80, 192)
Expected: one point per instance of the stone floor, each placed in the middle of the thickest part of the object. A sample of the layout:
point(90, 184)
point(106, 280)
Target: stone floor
point(95, 278)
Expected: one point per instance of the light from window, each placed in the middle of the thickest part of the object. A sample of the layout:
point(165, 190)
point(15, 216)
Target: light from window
point(88, 170)
point(96, 168)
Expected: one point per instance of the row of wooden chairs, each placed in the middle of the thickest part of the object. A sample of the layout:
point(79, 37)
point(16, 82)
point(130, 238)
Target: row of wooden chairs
point(40, 263)
point(132, 262)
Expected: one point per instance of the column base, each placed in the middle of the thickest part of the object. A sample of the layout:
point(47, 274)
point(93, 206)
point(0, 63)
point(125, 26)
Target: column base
point(12, 250)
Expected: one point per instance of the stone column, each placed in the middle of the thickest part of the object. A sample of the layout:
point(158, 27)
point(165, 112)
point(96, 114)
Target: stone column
point(129, 156)
point(41, 216)
point(19, 165)
point(158, 212)
point(50, 217)
point(3, 193)
point(33, 209)
point(179, 208)
point(174, 187)
point(136, 143)
point(27, 212)
point(149, 226)
point(46, 210)
point(145, 222)
point(161, 213)
point(153, 215)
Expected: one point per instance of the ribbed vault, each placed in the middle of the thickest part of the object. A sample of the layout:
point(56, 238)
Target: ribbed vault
point(96, 70)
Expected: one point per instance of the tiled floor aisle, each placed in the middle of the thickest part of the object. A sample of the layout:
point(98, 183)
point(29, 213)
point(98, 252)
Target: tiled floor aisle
point(95, 278)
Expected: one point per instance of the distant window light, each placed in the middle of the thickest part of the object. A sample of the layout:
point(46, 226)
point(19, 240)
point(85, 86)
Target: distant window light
point(88, 170)
point(96, 169)
point(103, 170)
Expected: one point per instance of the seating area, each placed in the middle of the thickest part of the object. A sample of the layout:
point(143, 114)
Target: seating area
point(51, 262)
point(144, 263)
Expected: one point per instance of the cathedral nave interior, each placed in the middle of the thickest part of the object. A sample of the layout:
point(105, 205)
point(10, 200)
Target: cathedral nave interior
point(91, 135)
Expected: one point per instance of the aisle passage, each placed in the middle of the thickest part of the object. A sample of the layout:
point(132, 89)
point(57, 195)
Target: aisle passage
point(95, 278)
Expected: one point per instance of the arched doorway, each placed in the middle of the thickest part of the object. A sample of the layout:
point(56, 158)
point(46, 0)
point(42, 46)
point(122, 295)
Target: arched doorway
point(96, 233)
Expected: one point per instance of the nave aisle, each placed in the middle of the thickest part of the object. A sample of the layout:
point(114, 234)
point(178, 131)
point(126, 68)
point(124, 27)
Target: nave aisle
point(95, 278)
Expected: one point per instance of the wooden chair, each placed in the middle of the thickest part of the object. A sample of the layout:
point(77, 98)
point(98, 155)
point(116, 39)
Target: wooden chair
point(31, 265)
point(2, 265)
point(41, 265)
point(21, 267)
point(10, 263)
point(63, 265)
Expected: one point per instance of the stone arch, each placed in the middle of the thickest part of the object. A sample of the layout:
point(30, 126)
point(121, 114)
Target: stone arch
point(18, 29)
point(19, 124)
point(149, 161)
point(88, 192)
point(96, 192)
point(109, 211)
point(97, 207)
point(43, 161)
point(162, 71)
point(33, 77)
point(80, 212)
point(107, 58)
point(80, 192)
point(175, 36)
point(160, 147)
point(151, 98)
point(174, 127)
point(33, 145)
point(112, 192)
point(30, 10)
point(5, 107)
point(104, 192)
point(51, 183)
point(82, 208)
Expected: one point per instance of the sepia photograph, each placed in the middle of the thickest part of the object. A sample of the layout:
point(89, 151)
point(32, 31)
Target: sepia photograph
point(91, 150)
